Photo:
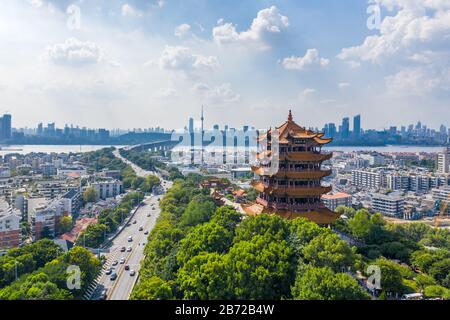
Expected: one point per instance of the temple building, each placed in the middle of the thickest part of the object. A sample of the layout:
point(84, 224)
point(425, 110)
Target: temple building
point(294, 189)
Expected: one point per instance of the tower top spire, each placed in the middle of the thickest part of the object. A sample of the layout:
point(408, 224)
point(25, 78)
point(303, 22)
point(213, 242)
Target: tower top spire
point(290, 118)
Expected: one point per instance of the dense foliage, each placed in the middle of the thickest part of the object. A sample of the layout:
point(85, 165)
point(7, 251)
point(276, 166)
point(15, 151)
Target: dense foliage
point(43, 272)
point(419, 254)
point(199, 251)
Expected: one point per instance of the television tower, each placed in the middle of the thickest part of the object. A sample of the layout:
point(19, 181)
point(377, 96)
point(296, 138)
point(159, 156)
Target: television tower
point(202, 135)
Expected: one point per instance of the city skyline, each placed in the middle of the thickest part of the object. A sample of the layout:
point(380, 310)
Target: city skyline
point(159, 58)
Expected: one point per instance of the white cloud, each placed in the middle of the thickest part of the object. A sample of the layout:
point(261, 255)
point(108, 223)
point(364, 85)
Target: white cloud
point(343, 85)
point(268, 22)
point(182, 58)
point(217, 95)
point(417, 24)
point(182, 30)
point(414, 39)
point(307, 92)
point(418, 81)
point(130, 11)
point(311, 59)
point(36, 3)
point(74, 52)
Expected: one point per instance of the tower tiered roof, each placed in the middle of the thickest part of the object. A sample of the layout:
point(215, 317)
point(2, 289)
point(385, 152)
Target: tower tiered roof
point(295, 189)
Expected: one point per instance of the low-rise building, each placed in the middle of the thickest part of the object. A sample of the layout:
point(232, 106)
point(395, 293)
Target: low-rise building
point(332, 201)
point(108, 188)
point(71, 171)
point(73, 201)
point(10, 229)
point(46, 215)
point(390, 205)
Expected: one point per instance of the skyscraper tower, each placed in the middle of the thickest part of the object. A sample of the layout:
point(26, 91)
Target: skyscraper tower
point(203, 135)
point(357, 126)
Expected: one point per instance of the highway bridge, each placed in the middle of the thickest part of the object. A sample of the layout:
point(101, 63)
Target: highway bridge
point(163, 145)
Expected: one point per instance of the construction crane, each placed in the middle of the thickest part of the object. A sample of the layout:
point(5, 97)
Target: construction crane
point(442, 211)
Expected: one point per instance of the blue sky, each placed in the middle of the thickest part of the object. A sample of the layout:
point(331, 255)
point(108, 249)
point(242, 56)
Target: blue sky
point(135, 63)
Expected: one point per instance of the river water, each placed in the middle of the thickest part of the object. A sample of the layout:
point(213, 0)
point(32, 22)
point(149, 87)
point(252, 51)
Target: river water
point(87, 148)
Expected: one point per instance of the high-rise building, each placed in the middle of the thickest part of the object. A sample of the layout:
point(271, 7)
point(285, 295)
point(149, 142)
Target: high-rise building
point(5, 127)
point(295, 189)
point(191, 125)
point(357, 126)
point(443, 161)
point(345, 128)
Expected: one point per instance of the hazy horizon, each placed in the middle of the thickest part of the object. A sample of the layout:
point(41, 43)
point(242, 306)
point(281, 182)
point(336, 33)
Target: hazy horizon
point(138, 64)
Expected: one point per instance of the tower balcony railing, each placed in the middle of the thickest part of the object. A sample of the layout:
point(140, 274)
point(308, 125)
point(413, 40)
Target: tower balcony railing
point(289, 206)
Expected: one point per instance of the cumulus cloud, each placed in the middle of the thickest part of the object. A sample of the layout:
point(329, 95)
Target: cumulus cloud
point(307, 92)
point(418, 81)
point(217, 95)
point(182, 30)
point(130, 11)
point(415, 37)
point(310, 59)
point(74, 52)
point(343, 85)
point(268, 22)
point(183, 59)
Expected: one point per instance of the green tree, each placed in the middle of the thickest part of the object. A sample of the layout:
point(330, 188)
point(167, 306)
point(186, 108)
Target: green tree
point(226, 217)
point(65, 224)
point(46, 233)
point(440, 270)
point(265, 225)
point(261, 268)
point(435, 291)
point(360, 225)
point(424, 280)
point(328, 250)
point(391, 277)
point(323, 284)
point(205, 277)
point(93, 236)
point(198, 211)
point(90, 195)
point(208, 237)
point(153, 288)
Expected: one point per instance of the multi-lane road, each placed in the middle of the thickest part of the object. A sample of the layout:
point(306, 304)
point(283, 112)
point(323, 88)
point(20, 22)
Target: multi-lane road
point(145, 219)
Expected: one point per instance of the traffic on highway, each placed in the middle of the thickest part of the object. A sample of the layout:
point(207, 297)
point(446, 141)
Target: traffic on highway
point(121, 269)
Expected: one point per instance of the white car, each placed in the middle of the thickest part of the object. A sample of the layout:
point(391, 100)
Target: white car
point(122, 260)
point(129, 249)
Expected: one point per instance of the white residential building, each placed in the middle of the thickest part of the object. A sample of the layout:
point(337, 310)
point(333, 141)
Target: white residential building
point(108, 188)
point(443, 161)
point(332, 201)
point(10, 229)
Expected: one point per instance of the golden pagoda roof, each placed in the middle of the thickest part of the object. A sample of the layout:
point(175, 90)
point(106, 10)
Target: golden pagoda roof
point(319, 216)
point(306, 174)
point(293, 130)
point(311, 191)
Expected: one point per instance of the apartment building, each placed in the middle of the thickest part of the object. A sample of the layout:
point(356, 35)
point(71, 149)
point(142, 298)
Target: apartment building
point(107, 188)
point(388, 205)
point(371, 179)
point(332, 201)
point(10, 229)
